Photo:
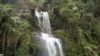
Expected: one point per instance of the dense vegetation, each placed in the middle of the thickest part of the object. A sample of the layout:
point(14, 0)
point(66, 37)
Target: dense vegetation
point(76, 22)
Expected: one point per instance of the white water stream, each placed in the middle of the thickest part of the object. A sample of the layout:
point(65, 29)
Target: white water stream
point(51, 44)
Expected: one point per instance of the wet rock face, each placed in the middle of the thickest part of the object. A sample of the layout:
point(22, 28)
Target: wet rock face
point(35, 36)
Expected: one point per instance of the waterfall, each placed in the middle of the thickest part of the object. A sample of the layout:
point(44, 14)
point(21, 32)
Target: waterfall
point(52, 46)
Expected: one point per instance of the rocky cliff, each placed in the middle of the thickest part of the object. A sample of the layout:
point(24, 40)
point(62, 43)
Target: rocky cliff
point(21, 9)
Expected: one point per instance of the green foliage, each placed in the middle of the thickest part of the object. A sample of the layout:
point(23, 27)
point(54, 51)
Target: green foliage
point(79, 27)
point(97, 29)
point(75, 22)
point(37, 3)
point(1, 54)
point(22, 51)
point(17, 25)
point(71, 11)
point(4, 10)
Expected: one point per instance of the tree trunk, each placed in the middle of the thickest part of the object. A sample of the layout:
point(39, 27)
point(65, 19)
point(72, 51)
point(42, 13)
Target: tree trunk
point(3, 47)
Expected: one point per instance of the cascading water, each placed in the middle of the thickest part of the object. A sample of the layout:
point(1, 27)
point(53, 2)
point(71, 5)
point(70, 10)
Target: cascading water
point(52, 45)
